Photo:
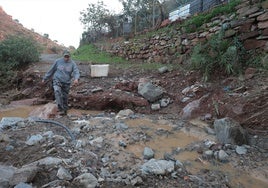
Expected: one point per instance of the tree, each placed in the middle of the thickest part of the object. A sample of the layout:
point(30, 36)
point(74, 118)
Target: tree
point(98, 21)
point(144, 13)
point(93, 15)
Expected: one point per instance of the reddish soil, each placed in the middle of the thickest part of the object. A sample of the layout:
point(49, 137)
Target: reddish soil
point(242, 98)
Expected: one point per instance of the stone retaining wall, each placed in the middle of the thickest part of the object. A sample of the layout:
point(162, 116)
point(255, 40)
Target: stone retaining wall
point(249, 24)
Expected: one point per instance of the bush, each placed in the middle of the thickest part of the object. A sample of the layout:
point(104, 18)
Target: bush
point(219, 55)
point(16, 52)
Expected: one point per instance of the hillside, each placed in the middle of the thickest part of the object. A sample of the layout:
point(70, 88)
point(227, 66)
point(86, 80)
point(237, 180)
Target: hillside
point(8, 26)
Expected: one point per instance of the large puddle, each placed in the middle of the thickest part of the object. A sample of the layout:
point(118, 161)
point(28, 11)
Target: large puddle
point(166, 142)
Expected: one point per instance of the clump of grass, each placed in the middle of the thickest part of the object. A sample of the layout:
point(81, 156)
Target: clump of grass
point(90, 53)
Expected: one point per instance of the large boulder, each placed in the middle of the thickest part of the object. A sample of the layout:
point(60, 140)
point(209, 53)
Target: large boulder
point(228, 131)
point(150, 91)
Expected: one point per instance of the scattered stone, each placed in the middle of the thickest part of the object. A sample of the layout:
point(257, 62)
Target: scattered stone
point(136, 181)
point(209, 153)
point(86, 180)
point(150, 91)
point(24, 174)
point(34, 139)
point(241, 150)
point(123, 114)
point(155, 106)
point(9, 122)
point(121, 126)
point(6, 173)
point(164, 102)
point(98, 140)
point(148, 153)
point(157, 167)
point(9, 148)
point(163, 69)
point(23, 185)
point(228, 131)
point(64, 174)
point(98, 89)
point(222, 155)
point(122, 143)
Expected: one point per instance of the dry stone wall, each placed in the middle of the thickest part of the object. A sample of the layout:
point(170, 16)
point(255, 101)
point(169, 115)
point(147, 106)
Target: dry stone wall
point(249, 24)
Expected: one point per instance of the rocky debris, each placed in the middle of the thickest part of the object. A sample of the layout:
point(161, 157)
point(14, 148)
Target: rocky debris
point(100, 155)
point(229, 131)
point(9, 122)
point(150, 91)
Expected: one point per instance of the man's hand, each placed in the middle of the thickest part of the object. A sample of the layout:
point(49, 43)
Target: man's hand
point(75, 82)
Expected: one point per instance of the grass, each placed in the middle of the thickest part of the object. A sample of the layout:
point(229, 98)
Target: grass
point(91, 54)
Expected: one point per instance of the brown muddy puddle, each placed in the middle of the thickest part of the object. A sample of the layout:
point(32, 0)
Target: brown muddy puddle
point(166, 142)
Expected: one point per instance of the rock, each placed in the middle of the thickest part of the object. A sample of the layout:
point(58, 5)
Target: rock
point(208, 153)
point(169, 157)
point(122, 143)
point(209, 131)
point(228, 131)
point(47, 111)
point(123, 114)
point(136, 181)
point(34, 139)
point(86, 180)
point(9, 122)
point(222, 155)
point(164, 102)
point(157, 167)
point(23, 185)
point(98, 140)
point(49, 162)
point(64, 174)
point(150, 91)
point(6, 173)
point(148, 153)
point(24, 174)
point(187, 110)
point(121, 126)
point(241, 150)
point(163, 69)
point(190, 107)
point(155, 106)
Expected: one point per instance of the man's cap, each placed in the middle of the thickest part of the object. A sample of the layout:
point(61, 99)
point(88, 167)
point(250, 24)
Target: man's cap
point(66, 52)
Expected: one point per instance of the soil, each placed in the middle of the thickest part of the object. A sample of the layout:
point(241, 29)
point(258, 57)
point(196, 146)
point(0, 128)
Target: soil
point(241, 98)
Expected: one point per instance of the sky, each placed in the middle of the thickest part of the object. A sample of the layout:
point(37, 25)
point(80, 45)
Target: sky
point(57, 18)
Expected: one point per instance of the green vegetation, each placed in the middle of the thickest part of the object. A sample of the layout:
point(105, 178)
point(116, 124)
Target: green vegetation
point(92, 54)
point(195, 22)
point(223, 56)
point(16, 52)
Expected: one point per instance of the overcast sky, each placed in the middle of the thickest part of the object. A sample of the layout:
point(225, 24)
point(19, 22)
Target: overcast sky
point(57, 18)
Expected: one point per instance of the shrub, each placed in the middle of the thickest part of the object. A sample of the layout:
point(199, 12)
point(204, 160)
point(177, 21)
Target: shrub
point(218, 55)
point(16, 51)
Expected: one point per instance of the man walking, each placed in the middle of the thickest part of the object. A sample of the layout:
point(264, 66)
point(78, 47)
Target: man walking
point(62, 71)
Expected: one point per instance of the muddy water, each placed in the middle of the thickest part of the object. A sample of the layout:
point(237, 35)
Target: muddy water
point(164, 140)
point(172, 140)
point(21, 111)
